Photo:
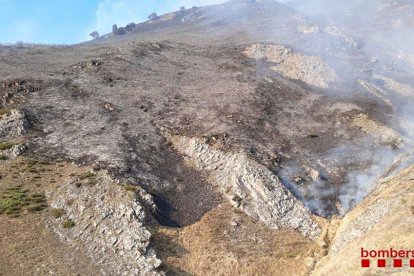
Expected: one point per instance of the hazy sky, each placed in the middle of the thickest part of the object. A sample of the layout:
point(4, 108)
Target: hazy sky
point(71, 21)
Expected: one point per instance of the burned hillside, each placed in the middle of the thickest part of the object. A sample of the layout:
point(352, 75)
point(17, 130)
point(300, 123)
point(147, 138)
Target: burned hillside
point(198, 128)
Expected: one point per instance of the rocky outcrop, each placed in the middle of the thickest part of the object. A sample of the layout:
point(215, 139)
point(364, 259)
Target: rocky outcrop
point(13, 123)
point(90, 64)
point(383, 134)
point(105, 220)
point(248, 186)
point(376, 92)
point(309, 69)
point(308, 28)
point(338, 33)
point(14, 151)
point(401, 89)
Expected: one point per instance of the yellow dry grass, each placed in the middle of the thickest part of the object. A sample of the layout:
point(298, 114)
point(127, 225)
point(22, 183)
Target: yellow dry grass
point(213, 246)
point(27, 245)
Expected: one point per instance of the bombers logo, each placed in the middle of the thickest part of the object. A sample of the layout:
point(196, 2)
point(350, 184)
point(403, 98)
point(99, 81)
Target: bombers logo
point(394, 257)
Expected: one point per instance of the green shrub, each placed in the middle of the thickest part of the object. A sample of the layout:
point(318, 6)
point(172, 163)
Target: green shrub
point(291, 255)
point(130, 188)
point(12, 200)
point(86, 175)
point(6, 145)
point(36, 207)
point(31, 162)
point(16, 199)
point(236, 198)
point(4, 111)
point(68, 223)
point(37, 198)
point(90, 177)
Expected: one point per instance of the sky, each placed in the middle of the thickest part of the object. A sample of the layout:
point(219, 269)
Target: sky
point(71, 21)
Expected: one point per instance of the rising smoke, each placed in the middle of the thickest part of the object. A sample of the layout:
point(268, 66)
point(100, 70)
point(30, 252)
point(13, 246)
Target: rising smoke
point(385, 32)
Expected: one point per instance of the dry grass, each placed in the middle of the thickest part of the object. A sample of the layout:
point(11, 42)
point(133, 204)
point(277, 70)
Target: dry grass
point(181, 81)
point(6, 145)
point(57, 212)
point(27, 245)
point(213, 246)
point(88, 178)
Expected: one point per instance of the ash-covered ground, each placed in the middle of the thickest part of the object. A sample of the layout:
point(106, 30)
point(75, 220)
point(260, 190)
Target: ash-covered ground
point(259, 78)
point(228, 139)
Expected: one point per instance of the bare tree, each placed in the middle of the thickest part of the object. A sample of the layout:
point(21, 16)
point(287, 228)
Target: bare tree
point(194, 9)
point(94, 34)
point(153, 16)
point(130, 27)
point(121, 31)
point(19, 44)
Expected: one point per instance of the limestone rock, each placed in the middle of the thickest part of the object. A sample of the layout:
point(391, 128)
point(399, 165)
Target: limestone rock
point(13, 124)
point(15, 151)
point(108, 225)
point(309, 69)
point(338, 33)
point(308, 28)
point(382, 133)
point(249, 186)
point(401, 89)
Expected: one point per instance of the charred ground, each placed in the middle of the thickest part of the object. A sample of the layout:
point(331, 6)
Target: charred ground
point(109, 103)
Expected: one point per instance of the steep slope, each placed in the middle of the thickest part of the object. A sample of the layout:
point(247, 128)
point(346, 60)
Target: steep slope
point(248, 104)
point(384, 220)
point(382, 27)
point(249, 187)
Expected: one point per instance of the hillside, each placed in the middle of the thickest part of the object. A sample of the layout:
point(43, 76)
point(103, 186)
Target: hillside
point(383, 28)
point(231, 139)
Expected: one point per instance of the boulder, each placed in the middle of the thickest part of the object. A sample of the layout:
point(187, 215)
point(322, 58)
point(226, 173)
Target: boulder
point(13, 124)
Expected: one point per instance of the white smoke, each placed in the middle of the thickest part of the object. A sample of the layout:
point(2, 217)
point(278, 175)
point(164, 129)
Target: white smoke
point(389, 42)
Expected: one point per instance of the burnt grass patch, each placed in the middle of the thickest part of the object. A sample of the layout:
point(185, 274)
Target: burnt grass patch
point(188, 197)
point(182, 195)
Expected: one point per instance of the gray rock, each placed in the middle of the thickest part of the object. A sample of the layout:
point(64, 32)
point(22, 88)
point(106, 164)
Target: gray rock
point(249, 186)
point(16, 150)
point(108, 225)
point(367, 220)
point(13, 124)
